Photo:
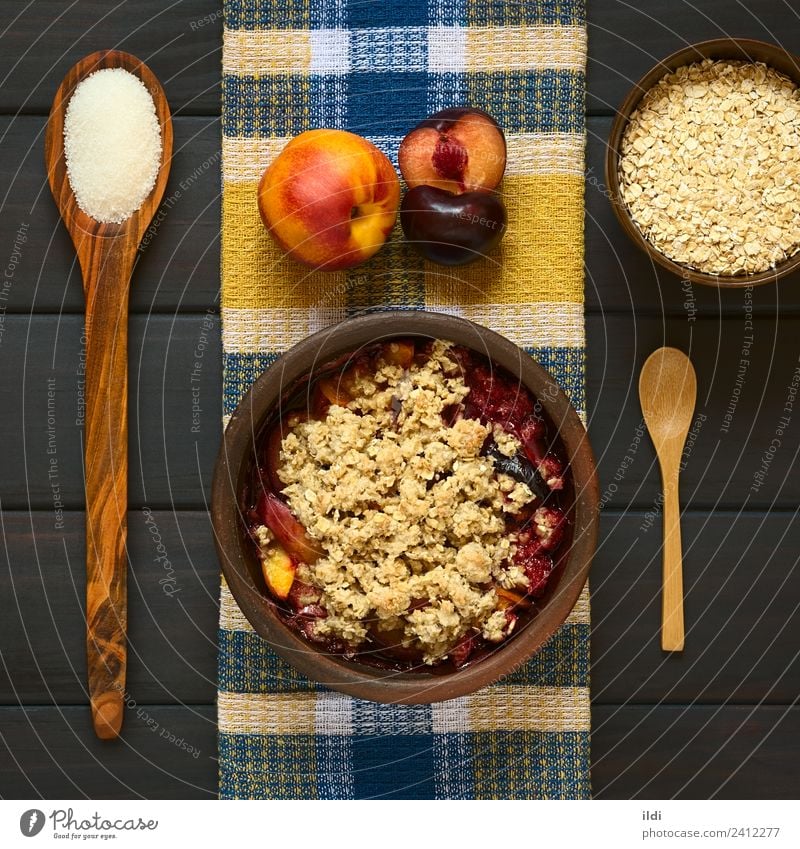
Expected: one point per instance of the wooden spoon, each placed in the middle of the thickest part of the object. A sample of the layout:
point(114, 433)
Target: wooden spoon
point(107, 253)
point(667, 393)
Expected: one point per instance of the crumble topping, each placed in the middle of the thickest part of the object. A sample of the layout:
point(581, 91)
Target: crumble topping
point(506, 443)
point(410, 515)
point(264, 537)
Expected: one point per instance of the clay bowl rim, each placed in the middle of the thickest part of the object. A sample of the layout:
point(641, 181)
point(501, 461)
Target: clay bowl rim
point(235, 455)
point(747, 49)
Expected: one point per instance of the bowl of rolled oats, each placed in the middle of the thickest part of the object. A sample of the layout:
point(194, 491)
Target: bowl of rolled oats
point(405, 506)
point(703, 163)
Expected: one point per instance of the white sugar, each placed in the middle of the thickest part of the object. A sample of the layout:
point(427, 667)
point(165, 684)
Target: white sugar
point(112, 144)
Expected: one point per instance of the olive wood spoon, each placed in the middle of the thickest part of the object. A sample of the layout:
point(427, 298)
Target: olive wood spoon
point(667, 393)
point(106, 253)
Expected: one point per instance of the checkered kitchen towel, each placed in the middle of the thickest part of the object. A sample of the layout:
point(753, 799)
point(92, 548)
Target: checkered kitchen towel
point(377, 67)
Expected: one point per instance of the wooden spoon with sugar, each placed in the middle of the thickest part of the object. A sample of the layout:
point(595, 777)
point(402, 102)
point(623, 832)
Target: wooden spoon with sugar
point(106, 252)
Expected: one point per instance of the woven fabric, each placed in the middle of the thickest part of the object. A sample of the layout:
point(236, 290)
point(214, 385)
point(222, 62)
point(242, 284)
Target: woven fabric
point(378, 68)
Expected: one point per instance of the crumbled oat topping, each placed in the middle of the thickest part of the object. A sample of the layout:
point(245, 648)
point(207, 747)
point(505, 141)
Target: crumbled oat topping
point(263, 536)
point(506, 442)
point(410, 514)
point(710, 167)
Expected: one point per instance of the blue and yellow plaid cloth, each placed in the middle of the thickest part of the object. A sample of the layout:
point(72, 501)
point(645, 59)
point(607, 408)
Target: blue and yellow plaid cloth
point(377, 67)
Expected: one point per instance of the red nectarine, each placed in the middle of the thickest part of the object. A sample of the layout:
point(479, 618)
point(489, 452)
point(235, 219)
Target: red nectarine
point(329, 199)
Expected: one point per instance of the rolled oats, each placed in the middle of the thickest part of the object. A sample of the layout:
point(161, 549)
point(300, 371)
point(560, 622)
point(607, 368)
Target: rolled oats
point(710, 167)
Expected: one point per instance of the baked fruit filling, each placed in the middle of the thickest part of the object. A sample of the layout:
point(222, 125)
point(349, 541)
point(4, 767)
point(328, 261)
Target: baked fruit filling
point(406, 507)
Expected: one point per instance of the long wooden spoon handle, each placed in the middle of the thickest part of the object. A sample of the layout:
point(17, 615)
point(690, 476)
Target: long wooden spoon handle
point(107, 265)
point(672, 634)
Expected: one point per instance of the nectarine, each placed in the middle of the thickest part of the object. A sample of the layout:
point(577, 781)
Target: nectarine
point(279, 570)
point(329, 199)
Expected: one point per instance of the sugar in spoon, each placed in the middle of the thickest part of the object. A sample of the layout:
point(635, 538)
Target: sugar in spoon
point(667, 394)
point(106, 252)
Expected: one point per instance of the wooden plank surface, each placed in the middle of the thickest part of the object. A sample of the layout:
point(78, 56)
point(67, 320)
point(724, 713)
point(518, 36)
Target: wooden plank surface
point(178, 265)
point(742, 592)
point(627, 38)
point(743, 454)
point(175, 389)
point(697, 752)
point(173, 588)
point(181, 41)
point(164, 753)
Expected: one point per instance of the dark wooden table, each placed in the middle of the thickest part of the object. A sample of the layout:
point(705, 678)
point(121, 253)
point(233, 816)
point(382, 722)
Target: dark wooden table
point(721, 719)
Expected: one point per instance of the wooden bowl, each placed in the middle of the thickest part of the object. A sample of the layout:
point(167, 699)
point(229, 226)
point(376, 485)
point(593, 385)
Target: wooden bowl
point(240, 563)
point(719, 48)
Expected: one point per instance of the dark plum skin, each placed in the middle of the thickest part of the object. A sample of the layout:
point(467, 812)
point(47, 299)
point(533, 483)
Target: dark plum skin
point(444, 118)
point(521, 469)
point(452, 229)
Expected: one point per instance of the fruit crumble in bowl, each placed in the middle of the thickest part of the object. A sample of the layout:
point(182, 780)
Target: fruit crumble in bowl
point(405, 506)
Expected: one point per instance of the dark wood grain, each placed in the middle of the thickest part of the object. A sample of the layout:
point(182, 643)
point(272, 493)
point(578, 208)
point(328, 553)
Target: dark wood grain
point(177, 265)
point(744, 454)
point(107, 265)
point(742, 610)
point(720, 752)
point(627, 38)
point(174, 410)
point(173, 592)
point(106, 254)
point(163, 753)
point(180, 40)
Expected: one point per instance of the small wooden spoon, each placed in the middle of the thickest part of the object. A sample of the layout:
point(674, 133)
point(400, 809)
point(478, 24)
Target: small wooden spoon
point(107, 253)
point(667, 393)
